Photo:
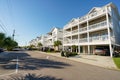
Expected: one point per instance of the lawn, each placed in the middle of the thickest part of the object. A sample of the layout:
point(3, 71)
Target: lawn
point(117, 61)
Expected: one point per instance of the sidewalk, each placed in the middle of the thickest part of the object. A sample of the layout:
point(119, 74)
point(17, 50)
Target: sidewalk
point(101, 61)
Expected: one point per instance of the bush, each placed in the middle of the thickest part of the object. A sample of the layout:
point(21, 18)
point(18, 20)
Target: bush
point(116, 54)
point(62, 53)
point(72, 54)
point(67, 54)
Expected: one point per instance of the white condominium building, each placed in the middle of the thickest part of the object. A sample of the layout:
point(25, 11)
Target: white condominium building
point(42, 39)
point(100, 27)
point(54, 35)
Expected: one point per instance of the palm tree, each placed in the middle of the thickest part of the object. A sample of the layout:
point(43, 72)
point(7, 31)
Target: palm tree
point(39, 44)
point(2, 37)
point(57, 43)
point(74, 47)
point(9, 44)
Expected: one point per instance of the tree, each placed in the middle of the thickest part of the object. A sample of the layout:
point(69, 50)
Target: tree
point(74, 47)
point(2, 37)
point(39, 44)
point(57, 43)
point(9, 44)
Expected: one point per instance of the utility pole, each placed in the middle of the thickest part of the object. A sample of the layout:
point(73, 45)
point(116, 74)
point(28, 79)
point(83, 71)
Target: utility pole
point(13, 34)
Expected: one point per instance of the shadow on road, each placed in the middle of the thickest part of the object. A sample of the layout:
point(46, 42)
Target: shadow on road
point(32, 77)
point(28, 63)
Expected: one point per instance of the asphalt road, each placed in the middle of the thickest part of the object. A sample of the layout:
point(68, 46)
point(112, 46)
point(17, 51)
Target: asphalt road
point(46, 67)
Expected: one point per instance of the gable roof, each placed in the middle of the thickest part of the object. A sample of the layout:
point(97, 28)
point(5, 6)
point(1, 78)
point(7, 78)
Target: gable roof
point(94, 9)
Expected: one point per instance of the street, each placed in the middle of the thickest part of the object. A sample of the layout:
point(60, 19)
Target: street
point(47, 67)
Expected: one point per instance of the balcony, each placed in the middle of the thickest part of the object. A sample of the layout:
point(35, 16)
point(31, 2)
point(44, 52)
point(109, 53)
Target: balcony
point(83, 18)
point(67, 42)
point(98, 38)
point(49, 37)
point(75, 31)
point(98, 25)
point(94, 14)
point(82, 40)
point(50, 43)
point(67, 33)
point(75, 41)
point(83, 29)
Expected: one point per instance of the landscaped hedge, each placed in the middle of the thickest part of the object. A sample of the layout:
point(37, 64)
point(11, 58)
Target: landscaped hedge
point(67, 54)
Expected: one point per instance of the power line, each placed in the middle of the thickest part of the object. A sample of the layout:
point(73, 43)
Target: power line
point(3, 28)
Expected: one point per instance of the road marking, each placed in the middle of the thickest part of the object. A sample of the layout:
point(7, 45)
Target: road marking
point(17, 64)
point(47, 57)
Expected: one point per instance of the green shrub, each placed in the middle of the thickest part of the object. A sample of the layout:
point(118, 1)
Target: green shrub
point(62, 53)
point(67, 54)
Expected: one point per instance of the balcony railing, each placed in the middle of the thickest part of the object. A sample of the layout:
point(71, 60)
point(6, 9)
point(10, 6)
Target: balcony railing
point(75, 31)
point(97, 13)
point(99, 38)
point(83, 40)
point(67, 33)
point(83, 29)
point(75, 41)
point(97, 25)
point(82, 18)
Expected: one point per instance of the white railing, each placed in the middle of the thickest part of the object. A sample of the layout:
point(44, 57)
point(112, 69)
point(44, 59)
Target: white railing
point(75, 41)
point(83, 40)
point(112, 39)
point(97, 25)
point(98, 38)
point(75, 31)
point(49, 43)
point(92, 14)
point(83, 29)
point(67, 42)
point(82, 18)
point(97, 13)
point(67, 33)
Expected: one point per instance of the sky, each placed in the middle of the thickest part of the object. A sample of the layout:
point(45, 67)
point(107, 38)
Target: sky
point(32, 18)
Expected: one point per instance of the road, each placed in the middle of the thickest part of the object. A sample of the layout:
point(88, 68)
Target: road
point(47, 67)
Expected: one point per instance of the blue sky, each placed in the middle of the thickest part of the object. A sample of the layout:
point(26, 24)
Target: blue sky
point(31, 18)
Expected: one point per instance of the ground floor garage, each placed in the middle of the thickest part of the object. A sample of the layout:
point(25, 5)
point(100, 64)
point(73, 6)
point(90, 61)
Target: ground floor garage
point(90, 49)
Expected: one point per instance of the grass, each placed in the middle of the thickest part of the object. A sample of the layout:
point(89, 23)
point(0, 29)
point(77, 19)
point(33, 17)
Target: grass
point(117, 61)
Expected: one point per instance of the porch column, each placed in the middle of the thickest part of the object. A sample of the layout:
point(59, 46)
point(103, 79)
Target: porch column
point(79, 49)
point(109, 36)
point(71, 48)
point(88, 49)
point(78, 39)
point(88, 36)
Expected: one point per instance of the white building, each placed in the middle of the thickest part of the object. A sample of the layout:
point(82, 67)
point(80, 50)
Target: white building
point(54, 35)
point(42, 39)
point(99, 27)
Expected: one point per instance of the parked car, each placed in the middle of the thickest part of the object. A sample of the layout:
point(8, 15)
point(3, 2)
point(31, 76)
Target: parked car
point(116, 54)
point(101, 51)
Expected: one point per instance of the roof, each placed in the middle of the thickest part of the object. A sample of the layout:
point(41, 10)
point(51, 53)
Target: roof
point(94, 9)
point(53, 30)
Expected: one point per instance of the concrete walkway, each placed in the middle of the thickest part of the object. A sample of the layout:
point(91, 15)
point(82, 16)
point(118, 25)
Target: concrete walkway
point(101, 61)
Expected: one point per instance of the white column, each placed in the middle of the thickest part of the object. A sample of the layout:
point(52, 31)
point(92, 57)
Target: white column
point(109, 37)
point(71, 38)
point(88, 36)
point(63, 40)
point(78, 39)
